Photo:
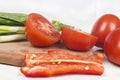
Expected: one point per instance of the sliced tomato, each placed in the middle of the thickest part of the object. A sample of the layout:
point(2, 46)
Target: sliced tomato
point(77, 40)
point(59, 62)
point(40, 32)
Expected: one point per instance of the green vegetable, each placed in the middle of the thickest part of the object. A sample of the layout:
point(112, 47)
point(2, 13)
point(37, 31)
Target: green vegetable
point(6, 33)
point(13, 18)
point(11, 29)
point(8, 22)
point(13, 37)
point(15, 29)
point(59, 25)
point(11, 33)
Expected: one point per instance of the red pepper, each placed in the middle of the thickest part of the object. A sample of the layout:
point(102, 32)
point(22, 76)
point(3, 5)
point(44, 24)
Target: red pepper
point(58, 62)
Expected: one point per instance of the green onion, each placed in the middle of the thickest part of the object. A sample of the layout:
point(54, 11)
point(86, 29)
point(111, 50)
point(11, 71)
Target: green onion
point(12, 18)
point(11, 33)
point(11, 29)
point(13, 37)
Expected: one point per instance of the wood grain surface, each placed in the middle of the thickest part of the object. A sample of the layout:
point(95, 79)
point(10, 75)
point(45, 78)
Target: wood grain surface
point(12, 53)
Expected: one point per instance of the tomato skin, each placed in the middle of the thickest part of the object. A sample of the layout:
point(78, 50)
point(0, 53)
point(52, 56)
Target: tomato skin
point(40, 32)
point(112, 46)
point(77, 40)
point(104, 26)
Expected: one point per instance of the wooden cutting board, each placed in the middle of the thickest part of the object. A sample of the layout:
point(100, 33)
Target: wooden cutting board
point(13, 52)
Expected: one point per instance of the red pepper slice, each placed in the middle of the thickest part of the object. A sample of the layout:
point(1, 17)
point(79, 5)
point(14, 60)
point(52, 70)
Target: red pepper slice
point(56, 62)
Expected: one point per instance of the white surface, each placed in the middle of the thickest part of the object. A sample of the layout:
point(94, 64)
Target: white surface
point(79, 13)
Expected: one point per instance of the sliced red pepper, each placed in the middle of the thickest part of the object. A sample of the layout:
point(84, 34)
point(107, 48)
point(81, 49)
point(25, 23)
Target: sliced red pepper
point(58, 62)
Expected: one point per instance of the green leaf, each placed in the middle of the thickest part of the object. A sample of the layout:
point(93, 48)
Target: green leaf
point(59, 25)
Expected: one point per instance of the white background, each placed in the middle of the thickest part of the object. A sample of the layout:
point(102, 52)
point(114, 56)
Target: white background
point(79, 13)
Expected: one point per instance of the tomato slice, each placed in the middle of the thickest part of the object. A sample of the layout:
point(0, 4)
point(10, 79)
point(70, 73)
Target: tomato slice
point(77, 40)
point(58, 62)
point(40, 32)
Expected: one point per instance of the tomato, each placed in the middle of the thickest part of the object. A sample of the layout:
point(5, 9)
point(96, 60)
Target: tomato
point(112, 46)
point(77, 40)
point(59, 62)
point(40, 32)
point(104, 26)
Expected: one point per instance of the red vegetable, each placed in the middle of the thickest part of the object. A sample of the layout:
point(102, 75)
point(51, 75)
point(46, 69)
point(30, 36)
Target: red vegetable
point(40, 32)
point(77, 40)
point(112, 46)
point(58, 62)
point(104, 26)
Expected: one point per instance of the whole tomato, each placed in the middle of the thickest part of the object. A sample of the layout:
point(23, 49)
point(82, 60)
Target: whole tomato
point(112, 46)
point(103, 26)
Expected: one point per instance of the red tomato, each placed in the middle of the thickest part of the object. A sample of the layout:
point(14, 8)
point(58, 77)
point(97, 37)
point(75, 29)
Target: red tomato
point(40, 32)
point(77, 40)
point(112, 46)
point(103, 26)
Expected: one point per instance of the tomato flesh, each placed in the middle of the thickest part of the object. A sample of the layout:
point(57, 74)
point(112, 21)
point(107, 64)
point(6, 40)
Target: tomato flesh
point(77, 40)
point(103, 26)
point(112, 46)
point(40, 32)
